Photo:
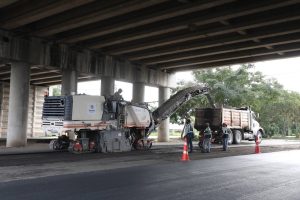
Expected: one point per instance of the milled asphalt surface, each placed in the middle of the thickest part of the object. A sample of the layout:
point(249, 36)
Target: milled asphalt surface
point(36, 160)
point(267, 176)
point(42, 147)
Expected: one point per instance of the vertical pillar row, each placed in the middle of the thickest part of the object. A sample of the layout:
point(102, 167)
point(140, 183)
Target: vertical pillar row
point(107, 86)
point(69, 82)
point(138, 92)
point(18, 105)
point(163, 129)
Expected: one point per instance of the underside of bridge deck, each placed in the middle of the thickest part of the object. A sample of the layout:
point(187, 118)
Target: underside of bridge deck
point(164, 35)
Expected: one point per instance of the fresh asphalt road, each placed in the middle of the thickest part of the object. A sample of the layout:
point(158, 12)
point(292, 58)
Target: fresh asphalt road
point(269, 176)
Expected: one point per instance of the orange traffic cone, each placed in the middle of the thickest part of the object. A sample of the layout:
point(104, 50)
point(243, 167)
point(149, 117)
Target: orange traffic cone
point(257, 147)
point(185, 154)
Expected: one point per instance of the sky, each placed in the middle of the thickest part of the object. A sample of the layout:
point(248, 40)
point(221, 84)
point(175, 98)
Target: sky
point(286, 71)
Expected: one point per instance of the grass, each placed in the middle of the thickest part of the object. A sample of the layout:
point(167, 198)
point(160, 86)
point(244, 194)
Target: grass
point(284, 137)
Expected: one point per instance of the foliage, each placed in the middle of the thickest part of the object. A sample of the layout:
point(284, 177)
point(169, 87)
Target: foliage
point(283, 115)
point(56, 91)
point(279, 109)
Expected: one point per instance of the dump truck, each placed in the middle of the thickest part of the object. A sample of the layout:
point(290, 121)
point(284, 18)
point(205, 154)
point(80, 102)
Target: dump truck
point(241, 121)
point(86, 123)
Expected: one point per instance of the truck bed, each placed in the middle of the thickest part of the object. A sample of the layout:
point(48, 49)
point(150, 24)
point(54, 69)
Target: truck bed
point(234, 118)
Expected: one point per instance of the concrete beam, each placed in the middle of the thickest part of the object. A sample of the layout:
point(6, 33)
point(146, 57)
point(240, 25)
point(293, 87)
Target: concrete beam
point(286, 39)
point(35, 72)
point(238, 61)
point(56, 80)
point(56, 57)
point(205, 32)
point(39, 77)
point(106, 13)
point(42, 12)
point(18, 105)
point(5, 78)
point(4, 71)
point(4, 3)
point(182, 22)
point(19, 8)
point(47, 82)
point(234, 55)
point(257, 34)
point(146, 18)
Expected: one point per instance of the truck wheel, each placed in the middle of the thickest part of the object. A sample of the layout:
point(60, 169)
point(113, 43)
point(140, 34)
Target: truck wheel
point(237, 137)
point(230, 138)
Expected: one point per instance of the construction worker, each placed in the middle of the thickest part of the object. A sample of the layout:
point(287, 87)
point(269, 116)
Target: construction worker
point(187, 132)
point(117, 95)
point(207, 138)
point(225, 135)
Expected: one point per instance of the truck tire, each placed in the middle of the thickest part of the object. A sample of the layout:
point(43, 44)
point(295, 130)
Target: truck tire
point(237, 137)
point(230, 138)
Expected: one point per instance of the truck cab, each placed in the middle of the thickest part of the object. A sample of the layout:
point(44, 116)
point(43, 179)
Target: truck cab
point(255, 128)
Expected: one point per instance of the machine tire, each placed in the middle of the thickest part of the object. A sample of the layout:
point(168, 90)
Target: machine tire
point(237, 137)
point(138, 145)
point(70, 147)
point(52, 145)
point(230, 138)
point(149, 145)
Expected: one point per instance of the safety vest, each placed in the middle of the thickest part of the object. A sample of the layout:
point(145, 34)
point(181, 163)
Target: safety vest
point(207, 131)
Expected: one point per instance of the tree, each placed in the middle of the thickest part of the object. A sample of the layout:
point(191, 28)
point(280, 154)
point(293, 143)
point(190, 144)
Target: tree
point(283, 113)
point(56, 91)
point(278, 108)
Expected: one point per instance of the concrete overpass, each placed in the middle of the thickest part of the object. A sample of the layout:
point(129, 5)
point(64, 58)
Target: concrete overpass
point(143, 42)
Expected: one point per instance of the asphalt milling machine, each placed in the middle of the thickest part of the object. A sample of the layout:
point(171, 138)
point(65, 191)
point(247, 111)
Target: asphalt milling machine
point(86, 123)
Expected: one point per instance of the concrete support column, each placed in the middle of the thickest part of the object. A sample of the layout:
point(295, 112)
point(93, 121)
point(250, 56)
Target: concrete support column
point(163, 129)
point(18, 105)
point(69, 82)
point(138, 92)
point(107, 86)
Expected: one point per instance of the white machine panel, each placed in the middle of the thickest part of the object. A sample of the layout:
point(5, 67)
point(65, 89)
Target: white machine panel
point(137, 117)
point(86, 107)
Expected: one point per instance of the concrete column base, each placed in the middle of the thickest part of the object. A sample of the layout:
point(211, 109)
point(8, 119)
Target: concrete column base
point(163, 129)
point(18, 105)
